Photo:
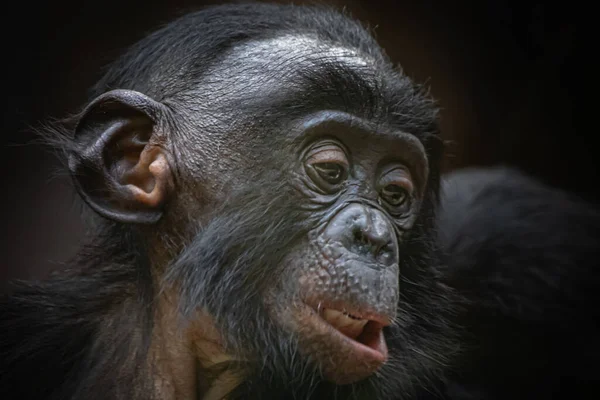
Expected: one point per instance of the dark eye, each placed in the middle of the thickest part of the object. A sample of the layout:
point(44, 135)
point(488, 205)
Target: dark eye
point(396, 189)
point(394, 195)
point(331, 173)
point(327, 165)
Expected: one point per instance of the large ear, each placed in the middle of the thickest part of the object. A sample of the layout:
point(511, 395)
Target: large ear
point(119, 162)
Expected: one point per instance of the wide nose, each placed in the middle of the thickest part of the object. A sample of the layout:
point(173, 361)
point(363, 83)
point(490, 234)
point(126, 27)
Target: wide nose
point(364, 231)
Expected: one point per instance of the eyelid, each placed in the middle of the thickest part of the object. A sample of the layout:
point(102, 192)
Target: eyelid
point(327, 153)
point(399, 175)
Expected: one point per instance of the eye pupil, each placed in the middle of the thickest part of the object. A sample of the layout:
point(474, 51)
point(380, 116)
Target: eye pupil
point(394, 195)
point(330, 172)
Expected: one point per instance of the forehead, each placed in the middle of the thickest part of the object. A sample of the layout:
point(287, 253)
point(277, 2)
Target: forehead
point(298, 69)
point(301, 51)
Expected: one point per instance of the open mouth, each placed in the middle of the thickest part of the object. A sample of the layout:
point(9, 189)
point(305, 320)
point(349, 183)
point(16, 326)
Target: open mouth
point(363, 333)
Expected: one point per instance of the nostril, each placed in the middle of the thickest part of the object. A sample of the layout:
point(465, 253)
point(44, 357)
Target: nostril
point(386, 248)
point(384, 253)
point(357, 235)
point(360, 237)
point(366, 242)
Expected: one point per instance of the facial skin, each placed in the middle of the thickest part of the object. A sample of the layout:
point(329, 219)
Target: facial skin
point(349, 262)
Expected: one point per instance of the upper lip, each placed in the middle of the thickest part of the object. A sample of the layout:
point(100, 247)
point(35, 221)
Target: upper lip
point(362, 313)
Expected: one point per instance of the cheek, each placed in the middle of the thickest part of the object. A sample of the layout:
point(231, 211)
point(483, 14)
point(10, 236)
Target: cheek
point(324, 272)
point(328, 275)
point(319, 271)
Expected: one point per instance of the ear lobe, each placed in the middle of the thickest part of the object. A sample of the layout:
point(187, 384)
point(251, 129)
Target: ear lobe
point(119, 163)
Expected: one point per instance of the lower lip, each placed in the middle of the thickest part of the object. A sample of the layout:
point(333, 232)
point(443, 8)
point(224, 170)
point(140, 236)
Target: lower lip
point(372, 348)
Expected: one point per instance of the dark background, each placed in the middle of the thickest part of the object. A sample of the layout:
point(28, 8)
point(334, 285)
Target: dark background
point(505, 73)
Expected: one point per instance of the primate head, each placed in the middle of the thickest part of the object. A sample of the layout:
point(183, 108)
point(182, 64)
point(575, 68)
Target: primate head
point(280, 175)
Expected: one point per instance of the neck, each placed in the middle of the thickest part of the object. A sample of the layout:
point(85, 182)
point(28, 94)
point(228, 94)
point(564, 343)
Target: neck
point(188, 358)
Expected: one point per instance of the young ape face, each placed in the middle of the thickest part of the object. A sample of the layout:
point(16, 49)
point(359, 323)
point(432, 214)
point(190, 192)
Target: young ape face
point(345, 272)
point(293, 183)
point(354, 183)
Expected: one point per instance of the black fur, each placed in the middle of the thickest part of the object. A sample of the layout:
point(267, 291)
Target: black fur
point(526, 256)
point(85, 331)
point(517, 277)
